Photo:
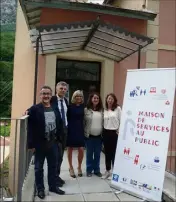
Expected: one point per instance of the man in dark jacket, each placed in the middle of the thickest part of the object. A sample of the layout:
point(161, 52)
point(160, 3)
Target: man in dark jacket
point(60, 102)
point(45, 129)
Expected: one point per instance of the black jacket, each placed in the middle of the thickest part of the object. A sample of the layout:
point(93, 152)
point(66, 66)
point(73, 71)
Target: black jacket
point(54, 100)
point(36, 125)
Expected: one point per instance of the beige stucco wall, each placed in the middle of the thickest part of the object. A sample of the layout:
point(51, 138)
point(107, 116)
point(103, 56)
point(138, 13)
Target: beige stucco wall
point(129, 4)
point(153, 32)
point(23, 84)
point(107, 69)
point(24, 66)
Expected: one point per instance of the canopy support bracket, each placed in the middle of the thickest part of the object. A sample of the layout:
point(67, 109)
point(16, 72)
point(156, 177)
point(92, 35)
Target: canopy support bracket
point(91, 32)
point(36, 68)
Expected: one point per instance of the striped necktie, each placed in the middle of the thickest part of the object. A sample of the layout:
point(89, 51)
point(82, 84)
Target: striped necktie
point(63, 113)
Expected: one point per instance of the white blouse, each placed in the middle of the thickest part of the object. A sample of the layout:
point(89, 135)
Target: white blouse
point(96, 126)
point(112, 119)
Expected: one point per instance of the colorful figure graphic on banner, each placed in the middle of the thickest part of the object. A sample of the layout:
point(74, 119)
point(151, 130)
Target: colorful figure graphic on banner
point(136, 160)
point(126, 125)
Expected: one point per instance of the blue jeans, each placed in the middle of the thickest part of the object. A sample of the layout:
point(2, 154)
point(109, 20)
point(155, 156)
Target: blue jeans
point(50, 153)
point(93, 152)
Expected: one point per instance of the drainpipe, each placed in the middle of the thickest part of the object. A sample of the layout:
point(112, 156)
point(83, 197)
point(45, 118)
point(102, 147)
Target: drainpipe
point(139, 57)
point(144, 5)
point(36, 69)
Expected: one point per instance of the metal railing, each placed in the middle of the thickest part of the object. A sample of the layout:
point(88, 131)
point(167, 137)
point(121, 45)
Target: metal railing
point(171, 159)
point(15, 158)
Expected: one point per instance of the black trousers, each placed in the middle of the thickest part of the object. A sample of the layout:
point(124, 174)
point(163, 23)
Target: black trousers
point(61, 148)
point(50, 152)
point(110, 138)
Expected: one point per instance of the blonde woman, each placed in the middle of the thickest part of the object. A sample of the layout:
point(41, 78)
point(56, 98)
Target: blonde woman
point(75, 137)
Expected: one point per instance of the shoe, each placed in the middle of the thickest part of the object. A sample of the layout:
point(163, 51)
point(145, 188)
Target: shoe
point(61, 180)
point(59, 183)
point(89, 174)
point(41, 194)
point(57, 191)
point(106, 175)
point(72, 173)
point(98, 174)
point(80, 172)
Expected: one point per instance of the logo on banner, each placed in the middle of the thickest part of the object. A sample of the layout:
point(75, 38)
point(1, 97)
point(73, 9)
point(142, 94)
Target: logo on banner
point(138, 92)
point(133, 182)
point(156, 159)
point(159, 94)
point(163, 91)
point(136, 160)
point(124, 179)
point(115, 177)
point(126, 151)
point(167, 102)
point(153, 90)
point(145, 187)
point(156, 189)
point(143, 166)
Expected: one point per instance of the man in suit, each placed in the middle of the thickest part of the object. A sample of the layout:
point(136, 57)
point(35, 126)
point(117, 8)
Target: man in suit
point(45, 129)
point(60, 102)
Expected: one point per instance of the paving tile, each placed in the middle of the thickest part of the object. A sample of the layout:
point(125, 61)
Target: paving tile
point(71, 187)
point(100, 197)
point(65, 175)
point(76, 197)
point(170, 186)
point(65, 166)
point(127, 197)
point(37, 199)
point(93, 185)
point(94, 188)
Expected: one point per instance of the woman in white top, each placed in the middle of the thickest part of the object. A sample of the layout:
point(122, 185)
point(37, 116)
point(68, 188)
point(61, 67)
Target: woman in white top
point(93, 119)
point(112, 115)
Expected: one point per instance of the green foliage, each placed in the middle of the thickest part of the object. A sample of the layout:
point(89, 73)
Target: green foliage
point(6, 77)
point(5, 131)
point(6, 72)
point(7, 46)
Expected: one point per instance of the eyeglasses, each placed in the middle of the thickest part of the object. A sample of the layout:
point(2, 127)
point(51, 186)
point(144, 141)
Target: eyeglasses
point(45, 93)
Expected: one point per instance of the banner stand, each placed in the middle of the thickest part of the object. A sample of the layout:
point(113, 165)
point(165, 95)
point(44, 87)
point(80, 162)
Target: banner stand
point(145, 128)
point(119, 191)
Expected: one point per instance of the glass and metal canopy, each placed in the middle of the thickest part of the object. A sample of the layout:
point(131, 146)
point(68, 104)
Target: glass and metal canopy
point(98, 37)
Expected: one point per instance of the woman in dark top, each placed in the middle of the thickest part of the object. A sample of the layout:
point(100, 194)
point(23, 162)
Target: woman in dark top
point(75, 137)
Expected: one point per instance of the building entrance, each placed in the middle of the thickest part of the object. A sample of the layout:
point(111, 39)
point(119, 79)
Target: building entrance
point(80, 75)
